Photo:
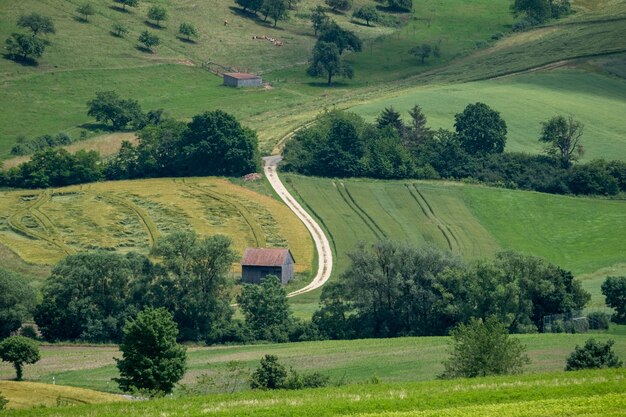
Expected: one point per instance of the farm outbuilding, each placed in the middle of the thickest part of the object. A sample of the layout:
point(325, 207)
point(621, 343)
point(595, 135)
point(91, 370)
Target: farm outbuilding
point(242, 79)
point(257, 263)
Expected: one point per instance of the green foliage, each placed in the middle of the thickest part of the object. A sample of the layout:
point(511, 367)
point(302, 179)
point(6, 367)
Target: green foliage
point(275, 9)
point(253, 5)
point(596, 177)
point(390, 117)
point(319, 19)
point(86, 297)
point(119, 30)
point(594, 355)
point(423, 51)
point(339, 5)
point(614, 291)
point(55, 167)
point(17, 302)
point(19, 351)
point(331, 32)
point(26, 147)
point(25, 46)
point(269, 375)
point(327, 62)
point(85, 10)
point(158, 14)
point(3, 401)
point(151, 361)
point(37, 23)
point(266, 309)
point(542, 10)
point(194, 286)
point(481, 130)
point(149, 40)
point(367, 13)
point(598, 320)
point(188, 30)
point(400, 5)
point(108, 106)
point(131, 3)
point(562, 138)
point(483, 347)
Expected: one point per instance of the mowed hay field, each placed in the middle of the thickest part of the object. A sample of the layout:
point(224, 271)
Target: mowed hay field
point(578, 234)
point(524, 101)
point(590, 393)
point(43, 226)
point(406, 359)
point(32, 394)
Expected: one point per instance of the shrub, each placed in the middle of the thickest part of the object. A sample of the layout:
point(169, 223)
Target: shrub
point(598, 320)
point(594, 355)
point(269, 375)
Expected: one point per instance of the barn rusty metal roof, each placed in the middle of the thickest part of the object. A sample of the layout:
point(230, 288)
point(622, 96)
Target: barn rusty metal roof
point(265, 256)
point(242, 75)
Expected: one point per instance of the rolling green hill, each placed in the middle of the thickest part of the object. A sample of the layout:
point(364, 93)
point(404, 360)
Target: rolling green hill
point(590, 393)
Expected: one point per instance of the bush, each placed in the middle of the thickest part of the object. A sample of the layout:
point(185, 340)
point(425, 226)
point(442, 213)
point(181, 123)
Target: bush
point(594, 355)
point(269, 375)
point(598, 320)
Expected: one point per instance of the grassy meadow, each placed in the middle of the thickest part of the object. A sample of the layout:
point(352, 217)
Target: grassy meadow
point(33, 394)
point(584, 393)
point(43, 226)
point(397, 360)
point(526, 100)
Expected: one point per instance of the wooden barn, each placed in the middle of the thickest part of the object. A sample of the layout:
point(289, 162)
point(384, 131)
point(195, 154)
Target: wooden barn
point(242, 79)
point(257, 263)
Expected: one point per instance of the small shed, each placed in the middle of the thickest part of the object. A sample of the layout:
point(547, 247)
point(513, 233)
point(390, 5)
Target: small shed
point(257, 263)
point(242, 79)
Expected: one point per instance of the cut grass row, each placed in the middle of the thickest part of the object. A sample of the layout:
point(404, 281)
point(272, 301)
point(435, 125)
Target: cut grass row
point(354, 361)
point(584, 393)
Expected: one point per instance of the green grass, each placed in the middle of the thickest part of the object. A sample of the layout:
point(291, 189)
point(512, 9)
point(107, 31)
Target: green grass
point(584, 393)
point(524, 101)
point(392, 360)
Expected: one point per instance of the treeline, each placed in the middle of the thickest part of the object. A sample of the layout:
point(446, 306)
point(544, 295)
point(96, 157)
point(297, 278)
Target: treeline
point(213, 143)
point(27, 147)
point(342, 144)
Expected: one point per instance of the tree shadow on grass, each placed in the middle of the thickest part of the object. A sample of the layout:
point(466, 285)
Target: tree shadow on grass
point(24, 61)
point(254, 17)
point(152, 25)
point(391, 10)
point(185, 40)
point(144, 49)
point(359, 23)
point(80, 19)
point(324, 84)
point(119, 9)
point(97, 127)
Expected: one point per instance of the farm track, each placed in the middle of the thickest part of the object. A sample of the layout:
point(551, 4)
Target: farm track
point(358, 210)
point(144, 218)
point(453, 243)
point(255, 228)
point(50, 235)
point(322, 245)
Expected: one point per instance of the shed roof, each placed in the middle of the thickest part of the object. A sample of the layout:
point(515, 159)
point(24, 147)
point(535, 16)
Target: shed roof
point(265, 257)
point(242, 75)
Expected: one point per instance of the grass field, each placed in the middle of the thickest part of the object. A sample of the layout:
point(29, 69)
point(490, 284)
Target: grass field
point(589, 393)
point(44, 226)
point(32, 394)
point(355, 361)
point(524, 101)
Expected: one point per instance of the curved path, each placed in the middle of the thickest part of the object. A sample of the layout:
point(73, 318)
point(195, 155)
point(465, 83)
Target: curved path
point(324, 253)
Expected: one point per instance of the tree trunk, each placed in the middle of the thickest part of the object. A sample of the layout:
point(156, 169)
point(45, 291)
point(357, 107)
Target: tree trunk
point(18, 371)
point(275, 21)
point(330, 77)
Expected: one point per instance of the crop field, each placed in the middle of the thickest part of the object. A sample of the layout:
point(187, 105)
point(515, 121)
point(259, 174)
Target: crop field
point(526, 100)
point(33, 394)
point(405, 359)
point(579, 234)
point(588, 393)
point(43, 226)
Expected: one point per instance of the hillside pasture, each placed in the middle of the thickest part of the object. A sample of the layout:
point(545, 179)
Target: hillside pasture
point(526, 100)
point(42, 226)
point(403, 360)
point(33, 394)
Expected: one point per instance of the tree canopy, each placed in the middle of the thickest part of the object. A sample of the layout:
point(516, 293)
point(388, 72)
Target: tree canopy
point(17, 302)
point(158, 14)
point(327, 62)
point(19, 351)
point(37, 23)
point(614, 291)
point(343, 39)
point(367, 13)
point(481, 130)
point(563, 139)
point(24, 46)
point(108, 106)
point(593, 355)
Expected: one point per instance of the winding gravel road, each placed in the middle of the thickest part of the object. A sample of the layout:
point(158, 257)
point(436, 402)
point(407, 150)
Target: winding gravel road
point(324, 253)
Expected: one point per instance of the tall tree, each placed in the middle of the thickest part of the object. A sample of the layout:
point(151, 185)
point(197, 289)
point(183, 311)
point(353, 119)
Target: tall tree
point(562, 138)
point(158, 14)
point(151, 361)
point(423, 51)
point(390, 117)
point(327, 62)
point(343, 39)
point(319, 19)
point(37, 23)
point(266, 309)
point(275, 9)
point(482, 348)
point(367, 13)
point(19, 351)
point(614, 291)
point(108, 106)
point(24, 46)
point(481, 129)
point(17, 302)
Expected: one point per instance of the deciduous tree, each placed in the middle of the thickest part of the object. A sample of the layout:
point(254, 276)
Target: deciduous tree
point(275, 9)
point(269, 375)
point(108, 106)
point(337, 5)
point(19, 351)
point(131, 3)
point(119, 30)
point(562, 138)
point(318, 19)
point(151, 361)
point(343, 39)
point(188, 30)
point(614, 291)
point(149, 40)
point(24, 46)
point(480, 129)
point(327, 62)
point(85, 10)
point(17, 302)
point(423, 51)
point(37, 23)
point(367, 13)
point(158, 14)
point(594, 355)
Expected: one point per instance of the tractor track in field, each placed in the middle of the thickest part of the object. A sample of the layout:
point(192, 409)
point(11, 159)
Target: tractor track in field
point(322, 245)
point(358, 210)
point(453, 243)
